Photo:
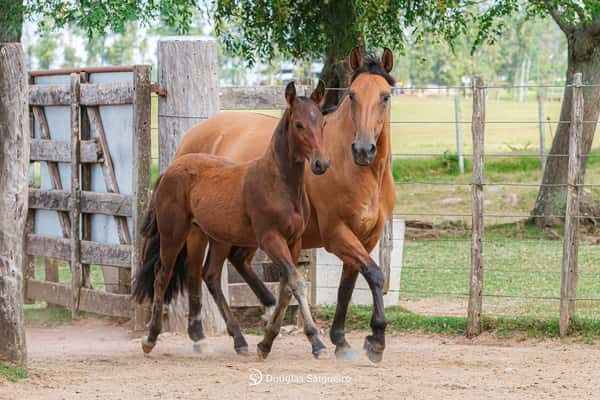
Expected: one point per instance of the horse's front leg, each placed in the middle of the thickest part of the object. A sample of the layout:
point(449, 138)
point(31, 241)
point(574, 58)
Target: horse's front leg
point(241, 258)
point(356, 258)
point(286, 257)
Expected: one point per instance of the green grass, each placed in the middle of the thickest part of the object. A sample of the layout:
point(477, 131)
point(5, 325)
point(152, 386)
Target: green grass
point(400, 320)
point(12, 373)
point(40, 313)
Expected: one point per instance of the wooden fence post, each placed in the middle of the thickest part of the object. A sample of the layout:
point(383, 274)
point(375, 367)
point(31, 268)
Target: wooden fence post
point(542, 128)
point(476, 284)
point(459, 144)
point(141, 176)
point(75, 197)
point(188, 72)
point(568, 286)
point(85, 133)
point(14, 179)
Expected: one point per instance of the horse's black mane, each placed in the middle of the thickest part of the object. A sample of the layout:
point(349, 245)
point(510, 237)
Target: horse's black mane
point(372, 65)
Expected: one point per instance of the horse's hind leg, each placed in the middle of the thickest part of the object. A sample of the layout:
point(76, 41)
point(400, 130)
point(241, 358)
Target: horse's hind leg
point(343, 351)
point(241, 258)
point(173, 232)
point(196, 245)
point(213, 269)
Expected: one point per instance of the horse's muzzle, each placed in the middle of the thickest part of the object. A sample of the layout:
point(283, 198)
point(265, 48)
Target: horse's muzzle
point(318, 167)
point(363, 153)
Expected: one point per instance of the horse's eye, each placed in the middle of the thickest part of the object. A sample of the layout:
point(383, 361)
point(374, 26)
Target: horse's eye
point(351, 96)
point(386, 98)
point(299, 125)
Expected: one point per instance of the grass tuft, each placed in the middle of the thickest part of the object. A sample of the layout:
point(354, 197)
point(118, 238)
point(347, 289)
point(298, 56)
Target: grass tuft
point(399, 320)
point(12, 373)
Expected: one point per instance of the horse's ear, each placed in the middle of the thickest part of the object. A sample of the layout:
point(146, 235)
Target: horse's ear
point(290, 93)
point(387, 60)
point(355, 59)
point(319, 92)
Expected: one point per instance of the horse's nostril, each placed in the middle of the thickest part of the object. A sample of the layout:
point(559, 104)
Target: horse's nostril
point(354, 150)
point(318, 165)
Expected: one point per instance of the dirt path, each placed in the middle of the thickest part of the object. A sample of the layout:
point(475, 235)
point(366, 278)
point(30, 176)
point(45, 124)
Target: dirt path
point(95, 359)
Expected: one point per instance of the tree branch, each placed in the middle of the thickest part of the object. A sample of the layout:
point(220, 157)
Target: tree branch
point(563, 25)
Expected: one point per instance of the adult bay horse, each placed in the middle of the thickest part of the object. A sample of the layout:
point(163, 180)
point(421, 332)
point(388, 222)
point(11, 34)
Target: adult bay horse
point(260, 203)
point(350, 204)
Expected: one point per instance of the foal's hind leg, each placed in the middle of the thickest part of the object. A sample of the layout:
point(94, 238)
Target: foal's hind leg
point(162, 279)
point(241, 258)
point(213, 269)
point(172, 239)
point(196, 245)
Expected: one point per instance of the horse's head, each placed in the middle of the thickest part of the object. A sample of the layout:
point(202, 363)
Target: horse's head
point(305, 127)
point(369, 95)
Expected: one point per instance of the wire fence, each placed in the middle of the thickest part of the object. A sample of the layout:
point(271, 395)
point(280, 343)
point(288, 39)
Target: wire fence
point(524, 271)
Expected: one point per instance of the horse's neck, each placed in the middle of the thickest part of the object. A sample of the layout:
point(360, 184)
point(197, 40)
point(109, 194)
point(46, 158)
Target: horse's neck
point(280, 156)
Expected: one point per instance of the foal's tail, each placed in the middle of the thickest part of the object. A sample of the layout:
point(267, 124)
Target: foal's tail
point(143, 286)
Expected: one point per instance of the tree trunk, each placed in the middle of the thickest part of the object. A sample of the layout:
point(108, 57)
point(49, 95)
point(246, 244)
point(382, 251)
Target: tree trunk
point(344, 35)
point(334, 75)
point(11, 20)
point(14, 180)
point(584, 57)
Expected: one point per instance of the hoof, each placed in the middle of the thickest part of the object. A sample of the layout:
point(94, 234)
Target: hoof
point(268, 313)
point(147, 345)
point(374, 351)
point(318, 348)
point(199, 346)
point(320, 354)
point(345, 353)
point(262, 351)
point(242, 351)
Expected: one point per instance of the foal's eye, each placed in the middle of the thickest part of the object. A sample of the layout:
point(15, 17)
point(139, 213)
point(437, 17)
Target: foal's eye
point(299, 125)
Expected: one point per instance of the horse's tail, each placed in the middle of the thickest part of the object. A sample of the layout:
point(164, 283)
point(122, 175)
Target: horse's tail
point(143, 285)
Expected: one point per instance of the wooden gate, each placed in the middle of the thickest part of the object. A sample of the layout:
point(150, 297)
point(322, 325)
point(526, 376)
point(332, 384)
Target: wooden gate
point(90, 178)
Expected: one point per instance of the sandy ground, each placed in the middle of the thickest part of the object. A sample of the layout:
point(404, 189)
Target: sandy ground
point(94, 359)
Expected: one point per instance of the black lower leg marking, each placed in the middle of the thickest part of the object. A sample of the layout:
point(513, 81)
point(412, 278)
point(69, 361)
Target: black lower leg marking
point(375, 343)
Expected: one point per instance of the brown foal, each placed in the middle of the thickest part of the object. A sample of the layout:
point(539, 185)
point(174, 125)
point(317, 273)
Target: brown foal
point(261, 203)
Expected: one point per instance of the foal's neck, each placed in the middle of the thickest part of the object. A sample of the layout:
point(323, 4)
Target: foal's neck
point(282, 155)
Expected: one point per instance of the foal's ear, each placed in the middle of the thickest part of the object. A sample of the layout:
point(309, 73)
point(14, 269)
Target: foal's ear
point(319, 92)
point(387, 60)
point(290, 93)
point(355, 59)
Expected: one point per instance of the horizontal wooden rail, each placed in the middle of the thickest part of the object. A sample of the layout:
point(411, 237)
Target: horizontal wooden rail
point(256, 97)
point(118, 255)
point(60, 151)
point(96, 301)
point(91, 202)
point(92, 94)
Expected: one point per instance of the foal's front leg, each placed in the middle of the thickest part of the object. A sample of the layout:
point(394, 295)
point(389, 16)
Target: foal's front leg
point(286, 258)
point(241, 258)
